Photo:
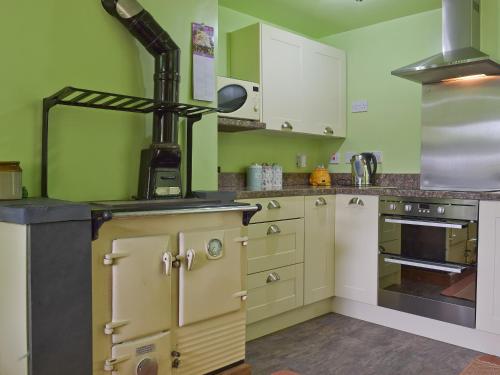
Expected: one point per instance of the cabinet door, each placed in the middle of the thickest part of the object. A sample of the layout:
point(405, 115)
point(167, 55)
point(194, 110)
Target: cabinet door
point(275, 244)
point(325, 89)
point(281, 80)
point(141, 287)
point(356, 247)
point(211, 277)
point(488, 273)
point(319, 248)
point(275, 291)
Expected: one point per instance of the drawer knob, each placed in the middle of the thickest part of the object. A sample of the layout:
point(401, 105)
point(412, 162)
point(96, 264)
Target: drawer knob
point(273, 205)
point(328, 131)
point(273, 229)
point(273, 277)
point(356, 202)
point(287, 126)
point(320, 202)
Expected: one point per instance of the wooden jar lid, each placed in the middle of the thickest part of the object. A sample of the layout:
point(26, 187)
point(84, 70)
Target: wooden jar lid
point(10, 166)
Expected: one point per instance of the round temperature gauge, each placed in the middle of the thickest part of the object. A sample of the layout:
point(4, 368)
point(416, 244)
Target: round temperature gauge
point(214, 248)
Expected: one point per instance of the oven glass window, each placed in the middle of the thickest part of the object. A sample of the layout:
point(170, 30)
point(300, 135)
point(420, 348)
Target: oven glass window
point(231, 98)
point(437, 264)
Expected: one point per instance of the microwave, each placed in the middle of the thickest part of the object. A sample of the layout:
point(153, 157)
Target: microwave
point(238, 99)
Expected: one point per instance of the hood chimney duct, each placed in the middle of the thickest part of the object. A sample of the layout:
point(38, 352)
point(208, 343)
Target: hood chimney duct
point(160, 164)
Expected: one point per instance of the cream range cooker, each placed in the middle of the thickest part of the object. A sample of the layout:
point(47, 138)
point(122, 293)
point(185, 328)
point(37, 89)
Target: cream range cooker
point(169, 291)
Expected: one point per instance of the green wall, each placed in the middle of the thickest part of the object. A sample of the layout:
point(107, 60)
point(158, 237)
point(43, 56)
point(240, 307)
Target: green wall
point(392, 124)
point(238, 150)
point(93, 154)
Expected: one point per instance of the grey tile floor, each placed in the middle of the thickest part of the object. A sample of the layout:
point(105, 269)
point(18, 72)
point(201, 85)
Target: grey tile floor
point(336, 344)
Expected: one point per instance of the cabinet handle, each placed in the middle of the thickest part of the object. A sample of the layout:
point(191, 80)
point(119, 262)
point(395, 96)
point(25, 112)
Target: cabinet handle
point(190, 257)
point(356, 202)
point(273, 277)
point(320, 202)
point(273, 229)
point(328, 131)
point(273, 205)
point(287, 126)
point(168, 258)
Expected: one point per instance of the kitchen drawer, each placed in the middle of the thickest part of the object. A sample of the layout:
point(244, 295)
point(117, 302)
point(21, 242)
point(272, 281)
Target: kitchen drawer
point(275, 244)
point(274, 292)
point(277, 208)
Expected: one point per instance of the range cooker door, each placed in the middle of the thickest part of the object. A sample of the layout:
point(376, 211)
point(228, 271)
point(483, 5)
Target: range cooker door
point(146, 356)
point(211, 275)
point(141, 287)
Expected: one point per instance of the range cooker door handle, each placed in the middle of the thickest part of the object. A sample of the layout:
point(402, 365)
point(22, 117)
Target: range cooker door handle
point(428, 266)
point(422, 223)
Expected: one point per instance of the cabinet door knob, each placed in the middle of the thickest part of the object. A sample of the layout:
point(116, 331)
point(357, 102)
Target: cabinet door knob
point(286, 126)
point(273, 277)
point(273, 229)
point(328, 131)
point(320, 202)
point(356, 202)
point(273, 205)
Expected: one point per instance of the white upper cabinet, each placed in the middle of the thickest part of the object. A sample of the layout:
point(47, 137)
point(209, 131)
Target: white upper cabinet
point(283, 106)
point(303, 82)
point(325, 89)
point(488, 272)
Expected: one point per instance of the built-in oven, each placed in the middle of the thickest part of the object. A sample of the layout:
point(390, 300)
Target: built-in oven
point(428, 257)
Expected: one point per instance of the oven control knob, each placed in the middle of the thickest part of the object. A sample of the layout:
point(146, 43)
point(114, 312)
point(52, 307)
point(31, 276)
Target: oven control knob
point(392, 206)
point(440, 210)
point(408, 207)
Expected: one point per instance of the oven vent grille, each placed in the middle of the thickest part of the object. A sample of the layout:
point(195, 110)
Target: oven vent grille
point(145, 349)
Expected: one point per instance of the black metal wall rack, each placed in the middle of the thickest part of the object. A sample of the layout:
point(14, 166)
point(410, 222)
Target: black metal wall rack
point(75, 97)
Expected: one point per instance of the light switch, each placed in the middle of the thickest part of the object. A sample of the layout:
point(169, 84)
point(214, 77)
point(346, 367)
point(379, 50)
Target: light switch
point(359, 106)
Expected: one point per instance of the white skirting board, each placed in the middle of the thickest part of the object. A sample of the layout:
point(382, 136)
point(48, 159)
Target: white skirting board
point(434, 329)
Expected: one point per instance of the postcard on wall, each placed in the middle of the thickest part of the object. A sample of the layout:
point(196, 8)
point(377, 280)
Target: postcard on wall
point(203, 62)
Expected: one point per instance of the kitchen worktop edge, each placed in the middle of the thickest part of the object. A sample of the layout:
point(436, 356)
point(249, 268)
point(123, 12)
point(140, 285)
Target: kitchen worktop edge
point(378, 190)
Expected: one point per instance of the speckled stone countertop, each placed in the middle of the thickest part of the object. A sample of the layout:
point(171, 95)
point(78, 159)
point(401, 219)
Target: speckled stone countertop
point(376, 190)
point(403, 185)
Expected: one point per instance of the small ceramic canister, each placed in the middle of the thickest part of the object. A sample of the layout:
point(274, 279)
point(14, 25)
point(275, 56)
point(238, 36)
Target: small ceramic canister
point(277, 177)
point(254, 177)
point(267, 177)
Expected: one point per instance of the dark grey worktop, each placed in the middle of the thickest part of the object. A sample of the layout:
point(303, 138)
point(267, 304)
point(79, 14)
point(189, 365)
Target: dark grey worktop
point(42, 210)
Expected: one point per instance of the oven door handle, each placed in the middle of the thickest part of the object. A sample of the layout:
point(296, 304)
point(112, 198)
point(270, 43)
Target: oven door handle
point(428, 266)
point(437, 224)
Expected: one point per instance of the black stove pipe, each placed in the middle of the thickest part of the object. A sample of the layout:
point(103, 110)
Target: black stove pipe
point(167, 55)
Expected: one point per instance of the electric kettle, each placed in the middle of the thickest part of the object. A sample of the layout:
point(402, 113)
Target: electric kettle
point(363, 169)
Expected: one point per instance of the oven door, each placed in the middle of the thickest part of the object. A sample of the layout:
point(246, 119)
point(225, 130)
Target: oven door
point(428, 267)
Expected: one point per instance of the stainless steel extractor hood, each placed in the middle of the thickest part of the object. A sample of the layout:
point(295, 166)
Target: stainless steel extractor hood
point(461, 54)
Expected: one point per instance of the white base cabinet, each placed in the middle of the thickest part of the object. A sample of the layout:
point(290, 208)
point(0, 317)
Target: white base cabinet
point(488, 273)
point(319, 266)
point(356, 248)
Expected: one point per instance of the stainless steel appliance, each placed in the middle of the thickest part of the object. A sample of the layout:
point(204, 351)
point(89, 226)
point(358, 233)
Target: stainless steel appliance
point(428, 257)
point(461, 55)
point(460, 135)
point(238, 99)
point(363, 169)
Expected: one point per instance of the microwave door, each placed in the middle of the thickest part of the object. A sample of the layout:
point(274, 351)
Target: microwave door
point(231, 98)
